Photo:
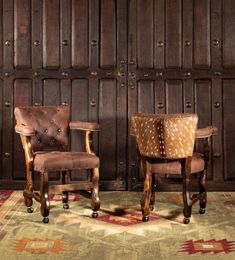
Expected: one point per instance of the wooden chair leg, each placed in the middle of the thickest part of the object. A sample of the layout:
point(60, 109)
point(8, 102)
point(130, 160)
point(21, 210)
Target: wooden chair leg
point(152, 200)
point(45, 204)
point(202, 192)
point(95, 200)
point(65, 194)
point(186, 193)
point(28, 201)
point(146, 197)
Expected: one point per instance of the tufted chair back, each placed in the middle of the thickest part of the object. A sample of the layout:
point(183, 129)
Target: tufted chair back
point(165, 136)
point(50, 123)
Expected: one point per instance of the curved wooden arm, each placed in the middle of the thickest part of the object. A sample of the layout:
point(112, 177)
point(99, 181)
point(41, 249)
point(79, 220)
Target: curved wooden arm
point(25, 130)
point(86, 126)
point(206, 132)
point(89, 142)
point(26, 141)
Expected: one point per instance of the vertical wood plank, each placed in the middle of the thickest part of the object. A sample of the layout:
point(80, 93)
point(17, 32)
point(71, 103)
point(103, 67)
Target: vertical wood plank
point(228, 34)
point(160, 97)
point(122, 133)
point(159, 25)
point(145, 20)
point(1, 34)
point(80, 34)
point(202, 34)
point(145, 99)
point(203, 101)
point(173, 34)
point(51, 92)
point(22, 97)
point(22, 34)
point(108, 120)
point(107, 33)
point(187, 33)
point(7, 129)
point(174, 96)
point(79, 111)
point(217, 120)
point(216, 44)
point(51, 34)
point(65, 33)
point(36, 34)
point(188, 96)
point(229, 128)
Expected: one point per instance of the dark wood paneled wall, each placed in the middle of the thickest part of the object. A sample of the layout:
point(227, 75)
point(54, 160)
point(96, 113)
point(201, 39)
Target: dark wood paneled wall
point(108, 59)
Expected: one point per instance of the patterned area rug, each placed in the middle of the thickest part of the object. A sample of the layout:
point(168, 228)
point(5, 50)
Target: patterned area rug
point(118, 232)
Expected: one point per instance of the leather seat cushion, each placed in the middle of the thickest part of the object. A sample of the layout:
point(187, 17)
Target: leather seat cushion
point(62, 161)
point(197, 165)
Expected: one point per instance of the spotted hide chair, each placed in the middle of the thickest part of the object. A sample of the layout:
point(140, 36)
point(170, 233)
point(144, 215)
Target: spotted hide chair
point(166, 146)
point(44, 132)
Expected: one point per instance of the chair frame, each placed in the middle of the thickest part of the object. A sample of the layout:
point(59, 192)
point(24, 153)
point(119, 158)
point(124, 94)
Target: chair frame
point(148, 198)
point(65, 186)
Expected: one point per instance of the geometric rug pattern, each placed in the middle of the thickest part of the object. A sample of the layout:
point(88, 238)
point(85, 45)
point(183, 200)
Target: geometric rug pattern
point(118, 232)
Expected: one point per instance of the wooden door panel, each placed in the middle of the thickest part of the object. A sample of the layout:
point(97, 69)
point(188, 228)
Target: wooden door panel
point(202, 34)
point(174, 96)
point(229, 128)
point(145, 92)
point(173, 35)
point(51, 34)
point(145, 41)
point(51, 92)
point(228, 33)
point(22, 97)
point(80, 34)
point(203, 110)
point(22, 34)
point(1, 34)
point(108, 34)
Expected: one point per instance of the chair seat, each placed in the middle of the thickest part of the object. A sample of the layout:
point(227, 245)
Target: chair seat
point(63, 161)
point(197, 165)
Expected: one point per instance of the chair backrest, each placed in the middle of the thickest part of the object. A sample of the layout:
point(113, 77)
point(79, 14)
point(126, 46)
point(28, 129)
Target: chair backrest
point(51, 125)
point(169, 136)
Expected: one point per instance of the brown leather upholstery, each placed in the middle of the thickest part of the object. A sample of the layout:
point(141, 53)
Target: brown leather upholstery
point(175, 167)
point(63, 161)
point(44, 134)
point(50, 123)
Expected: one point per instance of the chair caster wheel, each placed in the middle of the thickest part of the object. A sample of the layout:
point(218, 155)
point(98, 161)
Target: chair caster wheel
point(202, 211)
point(145, 218)
point(30, 209)
point(45, 220)
point(94, 214)
point(186, 220)
point(151, 207)
point(65, 205)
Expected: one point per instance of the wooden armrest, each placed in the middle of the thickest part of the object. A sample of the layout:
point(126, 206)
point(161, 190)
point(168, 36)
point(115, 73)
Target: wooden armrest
point(206, 132)
point(87, 126)
point(24, 130)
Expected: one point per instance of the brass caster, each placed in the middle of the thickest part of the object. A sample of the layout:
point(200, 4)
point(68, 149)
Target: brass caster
point(202, 211)
point(94, 214)
point(30, 209)
point(145, 218)
point(65, 205)
point(45, 220)
point(186, 220)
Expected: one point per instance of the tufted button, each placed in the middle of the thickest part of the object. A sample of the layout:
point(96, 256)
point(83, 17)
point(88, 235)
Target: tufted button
point(53, 140)
point(46, 131)
point(58, 130)
point(39, 140)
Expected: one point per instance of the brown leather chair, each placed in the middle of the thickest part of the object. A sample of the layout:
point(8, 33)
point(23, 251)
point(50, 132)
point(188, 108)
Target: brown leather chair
point(44, 132)
point(166, 146)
